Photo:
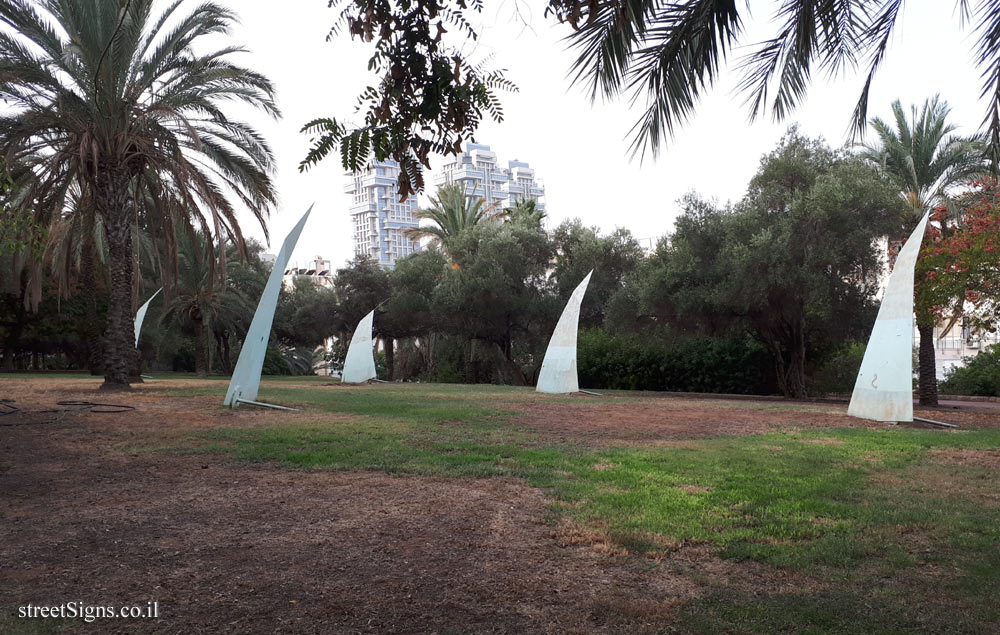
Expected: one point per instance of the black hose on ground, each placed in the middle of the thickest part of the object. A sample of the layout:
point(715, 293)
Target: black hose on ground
point(69, 406)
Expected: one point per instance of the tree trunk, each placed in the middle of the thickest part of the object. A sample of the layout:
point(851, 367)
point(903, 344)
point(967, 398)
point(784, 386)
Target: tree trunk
point(222, 352)
point(780, 374)
point(227, 356)
point(797, 363)
point(390, 357)
point(115, 206)
point(200, 350)
point(928, 374)
point(796, 383)
point(14, 329)
point(470, 367)
point(91, 321)
point(514, 374)
point(8, 355)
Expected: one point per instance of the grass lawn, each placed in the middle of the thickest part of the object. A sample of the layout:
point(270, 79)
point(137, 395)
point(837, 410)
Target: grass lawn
point(899, 529)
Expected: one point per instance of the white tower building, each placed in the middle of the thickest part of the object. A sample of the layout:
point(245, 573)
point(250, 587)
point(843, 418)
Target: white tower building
point(379, 217)
point(478, 169)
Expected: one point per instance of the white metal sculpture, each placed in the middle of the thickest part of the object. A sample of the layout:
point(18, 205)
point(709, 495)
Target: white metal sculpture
point(884, 388)
point(558, 374)
point(359, 365)
point(140, 315)
point(246, 376)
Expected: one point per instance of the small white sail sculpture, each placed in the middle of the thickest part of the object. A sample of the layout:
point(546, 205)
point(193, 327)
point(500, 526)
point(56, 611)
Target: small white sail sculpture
point(246, 375)
point(884, 388)
point(140, 315)
point(359, 365)
point(558, 374)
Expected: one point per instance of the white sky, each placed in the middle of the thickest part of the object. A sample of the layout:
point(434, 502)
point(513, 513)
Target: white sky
point(579, 151)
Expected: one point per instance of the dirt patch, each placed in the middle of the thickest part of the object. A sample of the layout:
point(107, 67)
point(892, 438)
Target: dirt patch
point(617, 421)
point(749, 577)
point(570, 533)
point(823, 441)
point(225, 547)
point(979, 458)
point(942, 475)
point(694, 489)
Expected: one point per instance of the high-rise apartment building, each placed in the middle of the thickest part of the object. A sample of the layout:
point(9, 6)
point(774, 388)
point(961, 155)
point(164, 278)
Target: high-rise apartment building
point(318, 270)
point(483, 176)
point(379, 217)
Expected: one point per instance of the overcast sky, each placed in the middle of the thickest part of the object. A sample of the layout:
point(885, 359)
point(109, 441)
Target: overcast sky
point(579, 151)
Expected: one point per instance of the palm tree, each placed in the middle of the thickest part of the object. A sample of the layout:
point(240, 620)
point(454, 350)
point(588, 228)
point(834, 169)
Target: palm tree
point(76, 254)
point(452, 212)
point(111, 98)
point(526, 212)
point(926, 161)
point(201, 300)
point(668, 54)
point(922, 155)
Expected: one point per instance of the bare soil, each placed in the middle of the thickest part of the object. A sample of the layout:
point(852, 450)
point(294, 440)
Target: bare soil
point(88, 513)
point(614, 420)
point(978, 458)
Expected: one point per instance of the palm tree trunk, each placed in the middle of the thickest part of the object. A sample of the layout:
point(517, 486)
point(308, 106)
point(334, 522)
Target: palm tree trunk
point(200, 350)
point(91, 321)
point(115, 206)
point(928, 373)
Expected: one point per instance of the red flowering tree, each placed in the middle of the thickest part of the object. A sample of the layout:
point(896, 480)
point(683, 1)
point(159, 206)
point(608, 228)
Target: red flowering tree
point(958, 273)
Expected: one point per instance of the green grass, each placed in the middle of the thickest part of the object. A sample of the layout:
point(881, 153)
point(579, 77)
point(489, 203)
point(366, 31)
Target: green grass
point(865, 513)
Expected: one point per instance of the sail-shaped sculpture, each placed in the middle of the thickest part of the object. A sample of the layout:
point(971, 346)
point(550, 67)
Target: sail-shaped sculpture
point(558, 374)
point(359, 365)
point(884, 388)
point(246, 375)
point(140, 315)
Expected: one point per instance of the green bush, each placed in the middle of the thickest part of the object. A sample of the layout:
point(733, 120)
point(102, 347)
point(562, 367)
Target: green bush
point(979, 376)
point(274, 363)
point(840, 371)
point(699, 364)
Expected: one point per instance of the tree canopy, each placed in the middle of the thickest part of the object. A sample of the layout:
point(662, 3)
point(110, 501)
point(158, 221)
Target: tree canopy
point(794, 263)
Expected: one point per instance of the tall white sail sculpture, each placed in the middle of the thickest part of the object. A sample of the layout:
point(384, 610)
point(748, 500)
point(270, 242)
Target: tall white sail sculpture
point(140, 315)
point(884, 388)
point(246, 375)
point(359, 365)
point(558, 374)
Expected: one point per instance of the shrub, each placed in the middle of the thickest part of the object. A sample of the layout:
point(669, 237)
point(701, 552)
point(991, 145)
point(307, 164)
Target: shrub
point(274, 363)
point(840, 371)
point(699, 364)
point(979, 376)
